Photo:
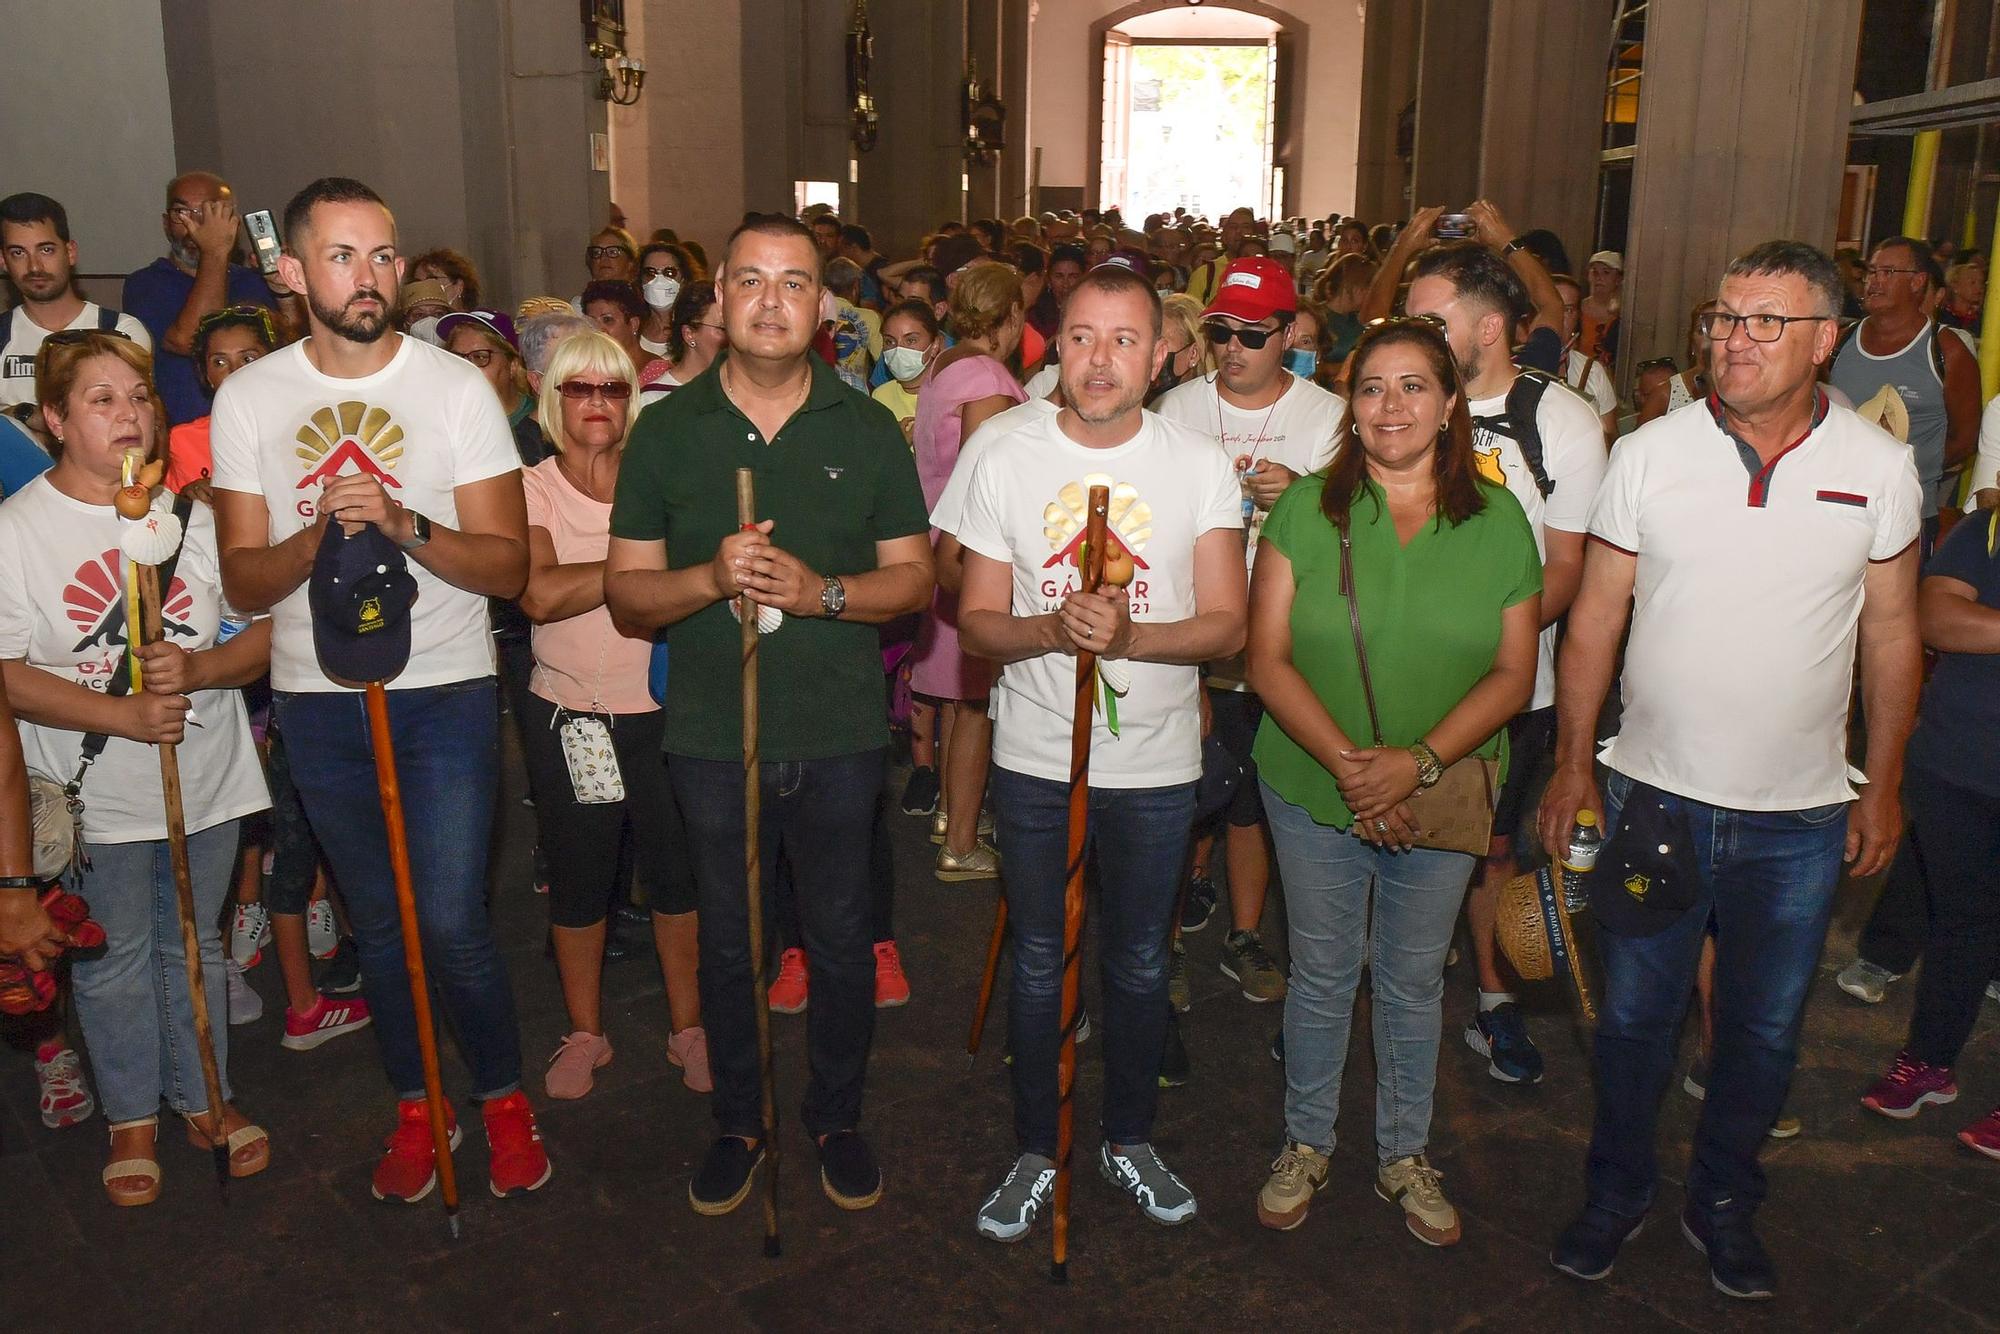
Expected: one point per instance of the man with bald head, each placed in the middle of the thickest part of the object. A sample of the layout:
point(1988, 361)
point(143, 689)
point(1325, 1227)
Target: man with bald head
point(194, 278)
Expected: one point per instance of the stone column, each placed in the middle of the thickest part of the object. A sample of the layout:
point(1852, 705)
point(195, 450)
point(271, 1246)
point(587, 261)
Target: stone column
point(1390, 31)
point(1743, 114)
point(1451, 79)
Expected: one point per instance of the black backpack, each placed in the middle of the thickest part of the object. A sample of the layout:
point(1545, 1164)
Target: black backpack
point(107, 322)
point(1517, 422)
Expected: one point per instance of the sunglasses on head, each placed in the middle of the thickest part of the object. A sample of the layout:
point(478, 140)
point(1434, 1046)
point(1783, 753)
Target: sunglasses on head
point(612, 391)
point(1655, 364)
point(65, 337)
point(1435, 323)
point(1252, 338)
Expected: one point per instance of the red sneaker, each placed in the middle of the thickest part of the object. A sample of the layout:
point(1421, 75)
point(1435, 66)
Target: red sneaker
point(518, 1163)
point(1983, 1135)
point(1909, 1085)
point(408, 1169)
point(329, 1017)
point(788, 992)
point(891, 987)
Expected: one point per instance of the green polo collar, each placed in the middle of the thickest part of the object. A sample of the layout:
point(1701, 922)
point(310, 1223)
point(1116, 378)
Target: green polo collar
point(706, 389)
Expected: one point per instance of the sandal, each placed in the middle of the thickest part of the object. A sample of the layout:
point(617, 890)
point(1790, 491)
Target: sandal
point(245, 1136)
point(125, 1169)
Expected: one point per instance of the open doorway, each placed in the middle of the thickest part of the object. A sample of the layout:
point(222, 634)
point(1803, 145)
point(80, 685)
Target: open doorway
point(1190, 112)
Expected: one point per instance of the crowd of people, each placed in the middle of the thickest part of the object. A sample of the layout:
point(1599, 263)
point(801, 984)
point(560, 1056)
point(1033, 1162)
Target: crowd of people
point(1388, 527)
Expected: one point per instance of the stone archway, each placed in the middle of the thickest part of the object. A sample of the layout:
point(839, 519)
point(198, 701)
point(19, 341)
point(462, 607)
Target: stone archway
point(1289, 102)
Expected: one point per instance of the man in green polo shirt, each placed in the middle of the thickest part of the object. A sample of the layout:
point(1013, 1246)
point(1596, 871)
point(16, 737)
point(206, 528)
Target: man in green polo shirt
point(843, 546)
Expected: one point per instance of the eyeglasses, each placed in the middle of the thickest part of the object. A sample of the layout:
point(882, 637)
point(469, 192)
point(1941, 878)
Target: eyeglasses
point(1252, 339)
point(1883, 270)
point(1719, 326)
point(605, 251)
point(611, 391)
point(720, 328)
point(481, 357)
point(651, 272)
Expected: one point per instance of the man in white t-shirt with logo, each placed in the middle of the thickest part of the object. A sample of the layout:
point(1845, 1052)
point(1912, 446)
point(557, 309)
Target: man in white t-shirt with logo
point(1273, 427)
point(1175, 512)
point(1546, 445)
point(1755, 540)
point(359, 424)
point(41, 263)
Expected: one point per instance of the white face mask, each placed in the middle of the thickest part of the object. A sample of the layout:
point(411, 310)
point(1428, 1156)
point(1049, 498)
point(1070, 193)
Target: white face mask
point(660, 291)
point(905, 363)
point(426, 329)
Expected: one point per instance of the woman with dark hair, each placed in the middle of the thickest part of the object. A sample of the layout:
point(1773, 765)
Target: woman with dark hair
point(1443, 574)
point(697, 336)
point(455, 271)
point(225, 341)
point(665, 271)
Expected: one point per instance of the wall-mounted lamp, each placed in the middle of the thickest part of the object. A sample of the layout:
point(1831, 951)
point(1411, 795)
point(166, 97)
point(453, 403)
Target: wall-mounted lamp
point(622, 81)
point(604, 39)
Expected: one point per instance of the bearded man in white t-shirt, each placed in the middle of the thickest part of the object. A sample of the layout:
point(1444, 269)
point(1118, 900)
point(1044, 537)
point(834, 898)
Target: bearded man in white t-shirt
point(1274, 427)
point(360, 425)
point(1175, 511)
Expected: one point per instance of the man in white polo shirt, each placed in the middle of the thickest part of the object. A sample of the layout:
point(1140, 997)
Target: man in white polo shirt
point(1760, 533)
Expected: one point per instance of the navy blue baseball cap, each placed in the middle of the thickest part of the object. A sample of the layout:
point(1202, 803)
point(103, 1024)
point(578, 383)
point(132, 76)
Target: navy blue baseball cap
point(360, 592)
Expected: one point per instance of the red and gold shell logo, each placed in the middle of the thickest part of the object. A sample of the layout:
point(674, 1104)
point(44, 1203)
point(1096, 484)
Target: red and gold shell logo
point(349, 433)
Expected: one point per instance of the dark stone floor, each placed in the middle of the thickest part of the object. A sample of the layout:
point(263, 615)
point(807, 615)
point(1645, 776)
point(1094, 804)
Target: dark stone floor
point(1873, 1224)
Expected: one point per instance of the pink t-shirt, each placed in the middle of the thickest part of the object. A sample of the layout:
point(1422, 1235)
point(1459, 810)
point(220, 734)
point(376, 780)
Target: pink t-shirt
point(939, 430)
point(582, 662)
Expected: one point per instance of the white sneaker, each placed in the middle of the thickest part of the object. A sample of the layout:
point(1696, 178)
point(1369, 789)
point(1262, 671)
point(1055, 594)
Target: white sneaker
point(1864, 981)
point(1993, 991)
point(322, 937)
point(245, 1005)
point(249, 934)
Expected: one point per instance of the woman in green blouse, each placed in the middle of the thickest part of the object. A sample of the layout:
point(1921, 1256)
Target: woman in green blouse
point(1449, 585)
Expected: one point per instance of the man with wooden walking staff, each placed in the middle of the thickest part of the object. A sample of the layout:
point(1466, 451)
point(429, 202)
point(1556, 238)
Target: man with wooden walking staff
point(841, 546)
point(1173, 528)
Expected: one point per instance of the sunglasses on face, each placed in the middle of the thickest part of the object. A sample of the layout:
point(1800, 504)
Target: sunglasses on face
point(1252, 339)
point(606, 251)
point(611, 391)
point(651, 272)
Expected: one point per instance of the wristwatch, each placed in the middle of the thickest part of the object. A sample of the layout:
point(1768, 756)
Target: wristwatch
point(832, 597)
point(1429, 768)
point(420, 532)
point(1516, 244)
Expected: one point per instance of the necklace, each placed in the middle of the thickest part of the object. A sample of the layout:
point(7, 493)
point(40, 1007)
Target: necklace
point(805, 391)
point(579, 482)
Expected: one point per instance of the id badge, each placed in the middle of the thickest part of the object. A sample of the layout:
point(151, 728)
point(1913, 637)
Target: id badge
point(593, 765)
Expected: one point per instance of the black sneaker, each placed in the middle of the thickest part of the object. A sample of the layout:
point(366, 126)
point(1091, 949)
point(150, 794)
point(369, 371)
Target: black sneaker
point(726, 1176)
point(847, 1170)
point(1590, 1243)
point(1174, 1069)
point(1501, 1036)
point(920, 794)
point(1199, 905)
point(342, 976)
point(1737, 1263)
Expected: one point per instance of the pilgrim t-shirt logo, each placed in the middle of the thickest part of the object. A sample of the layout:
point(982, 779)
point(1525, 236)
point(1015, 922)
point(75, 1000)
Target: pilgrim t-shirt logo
point(1128, 524)
point(94, 601)
point(346, 438)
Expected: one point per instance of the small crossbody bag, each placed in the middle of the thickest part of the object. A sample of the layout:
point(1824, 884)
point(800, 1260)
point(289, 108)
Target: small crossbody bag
point(594, 776)
point(1454, 814)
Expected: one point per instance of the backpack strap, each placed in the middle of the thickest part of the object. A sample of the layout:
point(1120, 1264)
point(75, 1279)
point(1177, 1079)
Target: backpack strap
point(107, 320)
point(7, 326)
point(1517, 421)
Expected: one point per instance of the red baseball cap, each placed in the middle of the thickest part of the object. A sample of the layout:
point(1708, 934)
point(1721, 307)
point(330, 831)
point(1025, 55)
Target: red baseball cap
point(1252, 290)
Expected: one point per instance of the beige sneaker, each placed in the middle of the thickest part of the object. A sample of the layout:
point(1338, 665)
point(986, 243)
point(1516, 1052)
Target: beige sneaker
point(1295, 1177)
point(1414, 1184)
point(982, 863)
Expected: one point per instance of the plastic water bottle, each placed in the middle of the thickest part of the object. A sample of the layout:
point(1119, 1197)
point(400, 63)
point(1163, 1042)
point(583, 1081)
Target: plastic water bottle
point(1586, 840)
point(232, 625)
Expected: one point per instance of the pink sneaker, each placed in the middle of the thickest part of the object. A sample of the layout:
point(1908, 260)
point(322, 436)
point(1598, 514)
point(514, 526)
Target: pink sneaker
point(570, 1068)
point(1909, 1085)
point(325, 1021)
point(65, 1098)
point(688, 1049)
point(788, 992)
point(1983, 1135)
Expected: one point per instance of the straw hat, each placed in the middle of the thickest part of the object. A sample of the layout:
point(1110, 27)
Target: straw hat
point(1533, 930)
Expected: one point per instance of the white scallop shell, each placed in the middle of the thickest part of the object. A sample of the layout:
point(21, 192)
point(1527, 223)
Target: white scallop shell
point(152, 539)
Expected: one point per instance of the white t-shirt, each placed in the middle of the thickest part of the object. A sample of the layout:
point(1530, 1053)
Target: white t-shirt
point(1574, 459)
point(62, 609)
point(1025, 505)
point(1985, 468)
point(425, 424)
point(1043, 382)
point(17, 359)
point(1747, 599)
point(949, 513)
point(1587, 376)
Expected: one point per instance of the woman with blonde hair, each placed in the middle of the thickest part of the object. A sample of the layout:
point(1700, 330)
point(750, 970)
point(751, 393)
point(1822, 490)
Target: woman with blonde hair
point(1187, 351)
point(966, 385)
point(63, 639)
point(592, 729)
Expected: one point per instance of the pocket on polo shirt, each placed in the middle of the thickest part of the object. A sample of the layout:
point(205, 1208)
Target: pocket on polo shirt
point(1852, 499)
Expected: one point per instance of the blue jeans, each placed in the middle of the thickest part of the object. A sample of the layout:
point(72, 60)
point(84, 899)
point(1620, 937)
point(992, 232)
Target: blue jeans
point(1140, 838)
point(1327, 874)
point(822, 814)
point(447, 763)
point(1768, 879)
point(132, 1000)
